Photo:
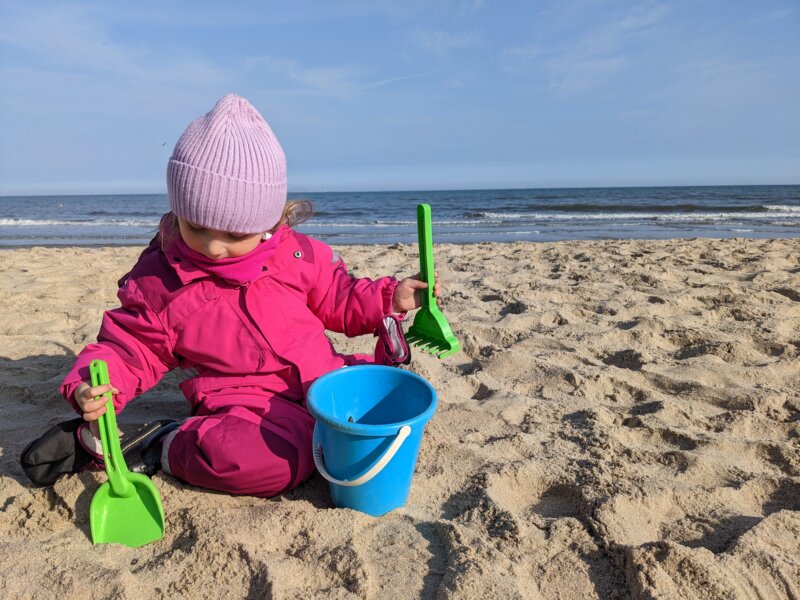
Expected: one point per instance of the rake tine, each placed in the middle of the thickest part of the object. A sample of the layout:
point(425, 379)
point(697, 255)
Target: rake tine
point(431, 346)
point(424, 345)
point(440, 350)
point(436, 347)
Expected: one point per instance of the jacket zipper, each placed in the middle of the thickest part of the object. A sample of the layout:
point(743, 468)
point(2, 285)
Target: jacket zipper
point(261, 357)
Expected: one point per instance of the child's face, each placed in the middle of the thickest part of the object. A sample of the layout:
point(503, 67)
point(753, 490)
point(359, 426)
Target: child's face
point(217, 244)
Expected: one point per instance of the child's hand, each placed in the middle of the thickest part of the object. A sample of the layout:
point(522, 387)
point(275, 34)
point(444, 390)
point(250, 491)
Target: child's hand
point(408, 294)
point(92, 407)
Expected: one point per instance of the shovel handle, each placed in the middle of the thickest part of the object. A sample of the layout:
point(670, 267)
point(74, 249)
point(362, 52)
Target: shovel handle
point(425, 234)
point(116, 469)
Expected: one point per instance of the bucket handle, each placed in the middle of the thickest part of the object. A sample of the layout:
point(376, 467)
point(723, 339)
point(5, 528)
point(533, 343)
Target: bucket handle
point(371, 472)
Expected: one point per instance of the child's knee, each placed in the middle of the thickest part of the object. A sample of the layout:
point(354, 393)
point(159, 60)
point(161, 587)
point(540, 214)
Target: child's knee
point(243, 455)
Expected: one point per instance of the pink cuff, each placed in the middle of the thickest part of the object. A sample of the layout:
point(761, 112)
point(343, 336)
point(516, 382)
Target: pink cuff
point(68, 391)
point(388, 299)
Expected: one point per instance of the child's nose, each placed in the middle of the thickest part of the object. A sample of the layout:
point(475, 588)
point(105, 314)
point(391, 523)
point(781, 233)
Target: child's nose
point(215, 249)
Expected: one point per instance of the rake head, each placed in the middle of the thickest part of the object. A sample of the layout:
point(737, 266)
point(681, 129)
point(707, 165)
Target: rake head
point(431, 333)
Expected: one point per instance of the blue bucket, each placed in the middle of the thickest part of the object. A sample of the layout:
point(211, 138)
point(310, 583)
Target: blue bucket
point(369, 427)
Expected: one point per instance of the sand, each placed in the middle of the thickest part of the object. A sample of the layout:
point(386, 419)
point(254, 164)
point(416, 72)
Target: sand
point(623, 422)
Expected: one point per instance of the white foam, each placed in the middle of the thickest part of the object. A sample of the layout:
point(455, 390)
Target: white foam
point(53, 223)
point(312, 223)
point(782, 208)
point(645, 216)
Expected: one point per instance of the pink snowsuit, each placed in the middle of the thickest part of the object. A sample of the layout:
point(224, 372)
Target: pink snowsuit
point(256, 348)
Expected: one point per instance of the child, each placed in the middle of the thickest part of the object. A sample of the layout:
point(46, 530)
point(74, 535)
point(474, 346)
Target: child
point(228, 290)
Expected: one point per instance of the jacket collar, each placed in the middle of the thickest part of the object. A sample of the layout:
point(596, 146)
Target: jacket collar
point(265, 260)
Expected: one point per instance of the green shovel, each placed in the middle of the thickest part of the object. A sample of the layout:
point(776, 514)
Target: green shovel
point(126, 509)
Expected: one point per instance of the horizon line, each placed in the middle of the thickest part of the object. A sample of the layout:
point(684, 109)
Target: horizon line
point(409, 191)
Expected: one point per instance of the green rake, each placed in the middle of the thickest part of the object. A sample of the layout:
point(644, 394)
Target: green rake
point(430, 331)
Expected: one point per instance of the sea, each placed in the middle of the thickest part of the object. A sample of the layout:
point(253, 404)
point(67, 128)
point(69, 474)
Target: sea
point(459, 216)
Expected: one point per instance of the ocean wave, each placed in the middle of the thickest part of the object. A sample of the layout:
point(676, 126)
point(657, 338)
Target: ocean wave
point(625, 207)
point(783, 208)
point(386, 224)
point(476, 219)
point(128, 214)
point(635, 216)
point(59, 223)
point(476, 233)
point(98, 238)
point(784, 223)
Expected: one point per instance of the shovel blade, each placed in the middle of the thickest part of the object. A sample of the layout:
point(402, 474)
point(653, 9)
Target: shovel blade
point(132, 521)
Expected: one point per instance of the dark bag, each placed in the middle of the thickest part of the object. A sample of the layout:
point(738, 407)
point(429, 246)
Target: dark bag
point(56, 452)
point(59, 451)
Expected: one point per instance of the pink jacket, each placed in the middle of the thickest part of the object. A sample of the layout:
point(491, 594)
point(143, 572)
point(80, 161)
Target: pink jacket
point(268, 333)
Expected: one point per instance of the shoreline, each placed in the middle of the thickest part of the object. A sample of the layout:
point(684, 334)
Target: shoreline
point(437, 243)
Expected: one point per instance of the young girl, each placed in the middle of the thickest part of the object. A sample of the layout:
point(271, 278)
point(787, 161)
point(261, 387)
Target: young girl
point(229, 291)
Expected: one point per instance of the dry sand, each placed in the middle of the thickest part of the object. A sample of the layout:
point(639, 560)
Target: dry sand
point(623, 421)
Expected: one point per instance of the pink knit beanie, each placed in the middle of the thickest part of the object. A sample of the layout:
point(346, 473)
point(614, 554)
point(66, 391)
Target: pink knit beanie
point(228, 171)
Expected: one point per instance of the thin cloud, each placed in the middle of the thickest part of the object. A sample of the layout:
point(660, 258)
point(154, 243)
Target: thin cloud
point(78, 40)
point(344, 82)
point(338, 81)
point(467, 7)
point(441, 42)
point(776, 15)
point(520, 58)
point(589, 60)
point(384, 82)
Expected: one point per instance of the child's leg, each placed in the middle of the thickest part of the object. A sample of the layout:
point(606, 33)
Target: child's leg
point(70, 447)
point(240, 451)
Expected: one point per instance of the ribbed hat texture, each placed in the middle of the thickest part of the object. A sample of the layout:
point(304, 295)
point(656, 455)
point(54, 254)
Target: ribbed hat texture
point(228, 171)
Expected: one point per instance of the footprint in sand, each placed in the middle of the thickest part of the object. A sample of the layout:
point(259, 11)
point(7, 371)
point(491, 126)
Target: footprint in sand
point(566, 541)
point(513, 308)
point(624, 359)
point(515, 499)
point(402, 554)
point(711, 518)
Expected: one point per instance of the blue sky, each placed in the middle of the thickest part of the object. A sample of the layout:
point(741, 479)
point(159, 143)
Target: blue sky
point(379, 95)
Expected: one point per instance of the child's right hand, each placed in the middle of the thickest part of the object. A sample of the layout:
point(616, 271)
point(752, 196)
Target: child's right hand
point(93, 407)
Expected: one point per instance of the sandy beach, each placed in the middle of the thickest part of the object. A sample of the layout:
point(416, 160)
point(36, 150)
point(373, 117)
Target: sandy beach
point(623, 422)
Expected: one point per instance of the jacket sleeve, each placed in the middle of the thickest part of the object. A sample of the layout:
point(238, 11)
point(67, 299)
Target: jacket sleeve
point(134, 343)
point(346, 304)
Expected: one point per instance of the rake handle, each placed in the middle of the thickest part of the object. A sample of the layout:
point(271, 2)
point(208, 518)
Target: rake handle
point(116, 469)
point(425, 234)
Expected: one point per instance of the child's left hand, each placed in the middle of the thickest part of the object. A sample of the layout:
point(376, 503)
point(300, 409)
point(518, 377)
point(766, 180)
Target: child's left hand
point(408, 293)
